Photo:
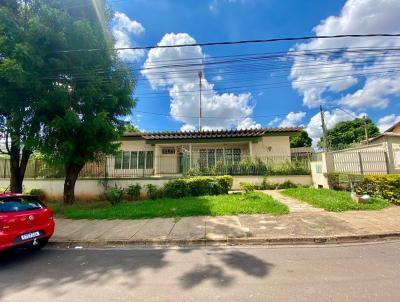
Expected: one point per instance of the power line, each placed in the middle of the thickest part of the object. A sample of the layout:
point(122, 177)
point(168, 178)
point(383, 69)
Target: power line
point(272, 40)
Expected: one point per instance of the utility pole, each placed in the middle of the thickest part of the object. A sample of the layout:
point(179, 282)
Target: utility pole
point(323, 128)
point(366, 128)
point(200, 113)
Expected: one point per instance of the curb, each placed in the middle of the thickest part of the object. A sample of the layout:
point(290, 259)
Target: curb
point(224, 242)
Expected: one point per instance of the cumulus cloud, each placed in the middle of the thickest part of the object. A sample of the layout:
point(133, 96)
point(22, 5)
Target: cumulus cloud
point(122, 29)
point(292, 119)
point(333, 117)
point(361, 17)
point(387, 121)
point(227, 109)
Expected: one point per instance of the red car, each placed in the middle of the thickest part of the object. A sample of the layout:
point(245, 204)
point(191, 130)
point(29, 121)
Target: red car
point(24, 222)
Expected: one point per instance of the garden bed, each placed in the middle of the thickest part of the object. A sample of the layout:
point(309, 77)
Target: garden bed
point(232, 204)
point(333, 201)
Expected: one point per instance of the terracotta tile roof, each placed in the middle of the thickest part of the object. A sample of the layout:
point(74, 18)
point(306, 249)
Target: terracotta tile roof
point(165, 135)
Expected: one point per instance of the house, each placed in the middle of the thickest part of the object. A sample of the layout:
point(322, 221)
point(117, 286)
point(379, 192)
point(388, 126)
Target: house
point(176, 153)
point(390, 140)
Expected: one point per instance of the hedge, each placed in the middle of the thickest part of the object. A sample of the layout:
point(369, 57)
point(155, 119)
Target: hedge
point(383, 186)
point(198, 186)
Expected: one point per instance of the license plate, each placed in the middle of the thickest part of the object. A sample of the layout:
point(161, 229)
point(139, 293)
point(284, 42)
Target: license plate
point(30, 235)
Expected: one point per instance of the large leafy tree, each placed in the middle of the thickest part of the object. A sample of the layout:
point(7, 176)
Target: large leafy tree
point(91, 93)
point(346, 133)
point(301, 140)
point(25, 39)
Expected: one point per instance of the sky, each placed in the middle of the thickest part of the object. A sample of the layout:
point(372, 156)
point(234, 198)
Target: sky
point(266, 84)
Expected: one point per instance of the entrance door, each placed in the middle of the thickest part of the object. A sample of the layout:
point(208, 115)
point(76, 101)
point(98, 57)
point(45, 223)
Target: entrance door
point(168, 161)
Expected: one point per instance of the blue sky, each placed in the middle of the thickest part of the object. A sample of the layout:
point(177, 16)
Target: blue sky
point(245, 96)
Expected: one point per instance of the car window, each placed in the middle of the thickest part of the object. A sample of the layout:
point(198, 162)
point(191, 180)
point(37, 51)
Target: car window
point(18, 204)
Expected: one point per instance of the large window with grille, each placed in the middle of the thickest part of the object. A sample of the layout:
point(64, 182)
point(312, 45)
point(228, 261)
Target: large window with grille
point(134, 160)
point(212, 156)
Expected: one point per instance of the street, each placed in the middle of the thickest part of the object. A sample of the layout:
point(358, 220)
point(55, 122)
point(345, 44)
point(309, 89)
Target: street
point(364, 272)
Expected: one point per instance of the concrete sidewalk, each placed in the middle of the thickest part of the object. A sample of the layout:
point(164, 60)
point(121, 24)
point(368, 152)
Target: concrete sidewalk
point(301, 227)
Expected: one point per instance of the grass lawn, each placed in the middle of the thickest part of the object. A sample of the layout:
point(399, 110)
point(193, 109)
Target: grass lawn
point(334, 201)
point(232, 204)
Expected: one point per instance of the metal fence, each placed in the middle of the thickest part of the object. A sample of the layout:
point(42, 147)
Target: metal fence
point(145, 164)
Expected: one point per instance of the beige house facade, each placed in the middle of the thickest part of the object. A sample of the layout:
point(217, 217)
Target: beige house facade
point(176, 153)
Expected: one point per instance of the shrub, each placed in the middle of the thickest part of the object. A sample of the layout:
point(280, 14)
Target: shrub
point(383, 186)
point(286, 185)
point(134, 190)
point(36, 192)
point(266, 185)
point(153, 192)
point(176, 188)
point(247, 187)
point(226, 182)
point(198, 186)
point(114, 195)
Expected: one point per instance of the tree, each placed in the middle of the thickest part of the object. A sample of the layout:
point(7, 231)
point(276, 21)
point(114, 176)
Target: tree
point(25, 40)
point(301, 140)
point(131, 128)
point(346, 133)
point(89, 96)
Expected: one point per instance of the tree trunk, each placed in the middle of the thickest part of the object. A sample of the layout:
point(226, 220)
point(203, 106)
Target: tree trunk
point(18, 164)
point(71, 175)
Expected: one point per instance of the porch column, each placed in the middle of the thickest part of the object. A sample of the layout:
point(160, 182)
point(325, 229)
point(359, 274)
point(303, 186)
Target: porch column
point(156, 159)
point(251, 149)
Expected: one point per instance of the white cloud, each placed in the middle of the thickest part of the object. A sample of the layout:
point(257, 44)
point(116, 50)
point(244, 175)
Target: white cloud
point(292, 119)
point(227, 109)
point(122, 28)
point(275, 121)
point(387, 121)
point(217, 78)
point(356, 17)
point(333, 117)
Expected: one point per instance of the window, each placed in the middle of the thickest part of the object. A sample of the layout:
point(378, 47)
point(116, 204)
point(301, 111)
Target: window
point(210, 157)
point(168, 150)
point(126, 158)
point(118, 160)
point(141, 161)
point(19, 204)
point(134, 160)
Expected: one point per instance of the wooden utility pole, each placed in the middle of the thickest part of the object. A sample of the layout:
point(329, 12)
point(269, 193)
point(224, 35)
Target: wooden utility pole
point(366, 128)
point(323, 128)
point(200, 113)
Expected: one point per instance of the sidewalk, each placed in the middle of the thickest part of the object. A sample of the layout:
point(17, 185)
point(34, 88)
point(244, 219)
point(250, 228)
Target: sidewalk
point(304, 225)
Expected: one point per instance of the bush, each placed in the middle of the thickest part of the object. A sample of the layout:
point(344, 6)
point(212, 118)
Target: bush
point(114, 195)
point(286, 185)
point(134, 190)
point(198, 186)
point(226, 182)
point(381, 186)
point(176, 188)
point(153, 192)
point(36, 192)
point(247, 187)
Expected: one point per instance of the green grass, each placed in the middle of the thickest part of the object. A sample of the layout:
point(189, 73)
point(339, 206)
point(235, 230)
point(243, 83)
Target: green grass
point(232, 204)
point(333, 201)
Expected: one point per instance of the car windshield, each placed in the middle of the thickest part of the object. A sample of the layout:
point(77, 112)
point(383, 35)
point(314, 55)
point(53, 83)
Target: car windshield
point(19, 204)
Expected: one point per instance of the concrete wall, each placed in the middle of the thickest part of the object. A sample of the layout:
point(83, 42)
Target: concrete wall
point(273, 146)
point(87, 189)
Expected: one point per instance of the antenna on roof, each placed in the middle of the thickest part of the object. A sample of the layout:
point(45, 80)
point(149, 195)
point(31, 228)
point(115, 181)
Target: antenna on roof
point(200, 114)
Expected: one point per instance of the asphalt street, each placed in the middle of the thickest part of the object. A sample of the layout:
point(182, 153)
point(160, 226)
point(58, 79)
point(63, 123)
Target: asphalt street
point(362, 272)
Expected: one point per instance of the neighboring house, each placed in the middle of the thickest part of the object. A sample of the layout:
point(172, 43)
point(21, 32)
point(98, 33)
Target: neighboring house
point(174, 153)
point(390, 140)
point(378, 155)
